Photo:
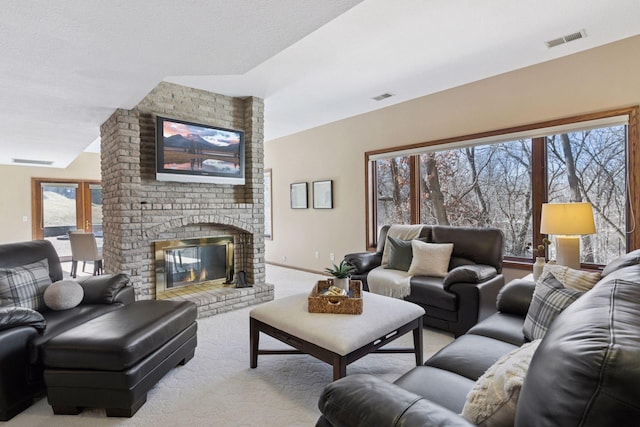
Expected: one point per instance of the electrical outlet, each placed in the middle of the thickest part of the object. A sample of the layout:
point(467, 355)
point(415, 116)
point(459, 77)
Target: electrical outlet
point(332, 256)
point(24, 218)
point(284, 258)
point(317, 255)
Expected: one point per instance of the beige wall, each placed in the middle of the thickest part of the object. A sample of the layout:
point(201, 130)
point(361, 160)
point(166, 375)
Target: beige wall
point(599, 79)
point(15, 192)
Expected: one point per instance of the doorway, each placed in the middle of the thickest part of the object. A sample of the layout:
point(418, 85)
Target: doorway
point(59, 206)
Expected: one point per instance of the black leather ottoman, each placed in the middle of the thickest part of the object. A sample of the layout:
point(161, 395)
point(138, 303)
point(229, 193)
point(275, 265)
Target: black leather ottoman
point(114, 360)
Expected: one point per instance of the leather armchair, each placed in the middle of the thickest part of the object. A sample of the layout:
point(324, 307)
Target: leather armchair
point(468, 293)
point(23, 331)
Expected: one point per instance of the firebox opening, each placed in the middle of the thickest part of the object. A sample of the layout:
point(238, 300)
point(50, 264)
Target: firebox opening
point(193, 263)
point(196, 264)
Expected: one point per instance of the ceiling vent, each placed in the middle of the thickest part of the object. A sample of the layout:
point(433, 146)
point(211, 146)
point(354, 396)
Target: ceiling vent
point(566, 39)
point(33, 162)
point(383, 96)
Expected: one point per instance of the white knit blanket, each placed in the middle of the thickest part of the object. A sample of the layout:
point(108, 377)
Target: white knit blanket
point(388, 282)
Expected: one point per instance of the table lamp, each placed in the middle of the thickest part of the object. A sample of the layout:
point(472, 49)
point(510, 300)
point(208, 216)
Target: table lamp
point(567, 222)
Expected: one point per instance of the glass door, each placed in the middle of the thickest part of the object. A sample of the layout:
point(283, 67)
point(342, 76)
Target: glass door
point(93, 217)
point(93, 214)
point(62, 206)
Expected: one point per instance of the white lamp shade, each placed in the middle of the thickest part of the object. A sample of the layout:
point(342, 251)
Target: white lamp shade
point(567, 219)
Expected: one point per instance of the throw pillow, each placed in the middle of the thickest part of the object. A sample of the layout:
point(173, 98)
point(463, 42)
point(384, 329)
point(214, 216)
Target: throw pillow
point(493, 399)
point(571, 278)
point(399, 231)
point(24, 286)
point(550, 298)
point(63, 294)
point(430, 259)
point(400, 253)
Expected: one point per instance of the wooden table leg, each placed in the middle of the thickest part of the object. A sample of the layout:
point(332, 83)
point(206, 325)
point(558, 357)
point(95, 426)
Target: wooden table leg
point(254, 338)
point(417, 342)
point(339, 368)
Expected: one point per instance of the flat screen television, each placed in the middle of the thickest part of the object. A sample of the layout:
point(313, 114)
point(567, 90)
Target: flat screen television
point(192, 152)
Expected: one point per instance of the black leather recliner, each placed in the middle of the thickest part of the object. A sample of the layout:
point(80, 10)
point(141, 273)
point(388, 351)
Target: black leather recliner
point(468, 293)
point(23, 331)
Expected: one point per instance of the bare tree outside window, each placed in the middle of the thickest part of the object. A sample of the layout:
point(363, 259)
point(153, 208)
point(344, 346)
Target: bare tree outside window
point(481, 186)
point(492, 186)
point(392, 191)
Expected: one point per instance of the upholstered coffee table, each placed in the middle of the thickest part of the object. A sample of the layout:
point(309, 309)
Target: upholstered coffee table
point(337, 339)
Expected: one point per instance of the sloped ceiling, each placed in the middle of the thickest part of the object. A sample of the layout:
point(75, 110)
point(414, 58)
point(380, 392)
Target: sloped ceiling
point(68, 64)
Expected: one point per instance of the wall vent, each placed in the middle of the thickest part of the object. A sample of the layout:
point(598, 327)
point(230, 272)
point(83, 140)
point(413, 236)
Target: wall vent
point(383, 96)
point(33, 162)
point(566, 39)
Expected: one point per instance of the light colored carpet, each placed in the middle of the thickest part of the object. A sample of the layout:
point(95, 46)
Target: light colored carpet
point(217, 387)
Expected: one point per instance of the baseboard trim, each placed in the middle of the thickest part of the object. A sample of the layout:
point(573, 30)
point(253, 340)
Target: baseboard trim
point(306, 270)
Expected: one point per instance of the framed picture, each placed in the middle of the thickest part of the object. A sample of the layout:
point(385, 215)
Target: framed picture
point(323, 194)
point(299, 195)
point(268, 210)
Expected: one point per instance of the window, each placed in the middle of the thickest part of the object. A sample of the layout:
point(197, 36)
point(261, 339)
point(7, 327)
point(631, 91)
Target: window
point(502, 178)
point(393, 178)
point(268, 210)
point(590, 166)
point(480, 186)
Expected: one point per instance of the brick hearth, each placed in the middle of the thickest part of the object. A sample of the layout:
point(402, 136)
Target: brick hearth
point(216, 300)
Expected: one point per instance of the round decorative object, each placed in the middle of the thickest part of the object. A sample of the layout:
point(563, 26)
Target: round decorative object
point(341, 283)
point(63, 294)
point(538, 266)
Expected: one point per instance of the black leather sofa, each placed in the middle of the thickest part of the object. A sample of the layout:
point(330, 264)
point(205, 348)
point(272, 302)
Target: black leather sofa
point(23, 333)
point(585, 372)
point(468, 293)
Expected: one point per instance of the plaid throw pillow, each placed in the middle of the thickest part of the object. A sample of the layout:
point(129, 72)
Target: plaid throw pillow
point(574, 279)
point(24, 286)
point(549, 299)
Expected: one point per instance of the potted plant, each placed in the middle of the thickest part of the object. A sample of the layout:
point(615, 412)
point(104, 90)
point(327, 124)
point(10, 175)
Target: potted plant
point(341, 274)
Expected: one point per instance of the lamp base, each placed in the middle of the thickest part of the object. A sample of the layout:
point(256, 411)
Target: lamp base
point(568, 251)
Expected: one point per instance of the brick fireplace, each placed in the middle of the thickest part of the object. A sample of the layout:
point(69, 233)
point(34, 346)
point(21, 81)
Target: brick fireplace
point(139, 211)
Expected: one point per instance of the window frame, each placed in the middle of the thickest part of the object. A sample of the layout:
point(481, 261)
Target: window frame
point(539, 180)
point(84, 220)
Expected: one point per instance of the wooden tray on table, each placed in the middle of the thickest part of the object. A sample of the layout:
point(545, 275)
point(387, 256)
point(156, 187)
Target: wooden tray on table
point(337, 304)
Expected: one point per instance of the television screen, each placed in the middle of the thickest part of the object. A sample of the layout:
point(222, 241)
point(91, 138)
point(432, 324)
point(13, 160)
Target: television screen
point(191, 152)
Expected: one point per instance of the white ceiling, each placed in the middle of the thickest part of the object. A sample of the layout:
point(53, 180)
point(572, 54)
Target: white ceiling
point(66, 65)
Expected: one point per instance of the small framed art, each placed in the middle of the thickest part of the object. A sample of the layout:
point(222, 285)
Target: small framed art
point(299, 195)
point(323, 194)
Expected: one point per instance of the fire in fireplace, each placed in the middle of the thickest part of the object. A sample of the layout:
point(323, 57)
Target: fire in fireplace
point(193, 262)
